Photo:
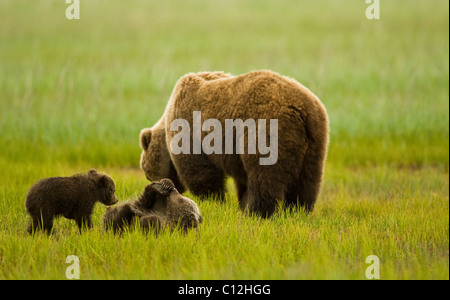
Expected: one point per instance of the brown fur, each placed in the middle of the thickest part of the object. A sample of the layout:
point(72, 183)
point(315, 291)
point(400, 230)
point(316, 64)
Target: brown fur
point(302, 140)
point(160, 205)
point(71, 197)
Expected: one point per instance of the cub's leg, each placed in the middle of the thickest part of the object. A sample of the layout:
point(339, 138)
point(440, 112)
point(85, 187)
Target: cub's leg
point(41, 222)
point(150, 222)
point(84, 221)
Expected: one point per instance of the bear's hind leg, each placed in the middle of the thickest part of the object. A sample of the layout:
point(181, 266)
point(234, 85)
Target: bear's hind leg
point(261, 198)
point(35, 225)
point(310, 178)
point(242, 194)
point(41, 222)
point(48, 225)
point(296, 199)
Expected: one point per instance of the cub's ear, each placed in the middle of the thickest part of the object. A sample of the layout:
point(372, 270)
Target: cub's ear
point(102, 181)
point(145, 138)
point(92, 172)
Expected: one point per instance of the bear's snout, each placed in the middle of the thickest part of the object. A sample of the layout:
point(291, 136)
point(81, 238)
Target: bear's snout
point(114, 200)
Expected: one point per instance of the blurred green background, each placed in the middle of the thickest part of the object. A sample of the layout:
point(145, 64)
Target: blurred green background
point(74, 95)
point(80, 91)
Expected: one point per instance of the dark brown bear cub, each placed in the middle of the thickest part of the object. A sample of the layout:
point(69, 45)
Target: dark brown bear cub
point(71, 197)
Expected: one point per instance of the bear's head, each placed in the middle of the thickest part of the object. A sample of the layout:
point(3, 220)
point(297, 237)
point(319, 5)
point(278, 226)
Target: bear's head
point(180, 210)
point(155, 157)
point(104, 186)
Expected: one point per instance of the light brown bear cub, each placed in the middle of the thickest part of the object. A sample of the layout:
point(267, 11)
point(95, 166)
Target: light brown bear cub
point(71, 197)
point(302, 140)
point(160, 205)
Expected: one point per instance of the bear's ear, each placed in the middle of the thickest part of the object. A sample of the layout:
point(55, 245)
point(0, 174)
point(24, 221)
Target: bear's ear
point(145, 138)
point(92, 172)
point(102, 181)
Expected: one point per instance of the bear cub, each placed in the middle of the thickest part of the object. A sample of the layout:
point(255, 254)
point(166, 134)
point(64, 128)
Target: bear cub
point(160, 205)
point(72, 197)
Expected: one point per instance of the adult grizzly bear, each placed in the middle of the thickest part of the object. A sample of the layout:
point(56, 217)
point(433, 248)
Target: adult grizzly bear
point(301, 138)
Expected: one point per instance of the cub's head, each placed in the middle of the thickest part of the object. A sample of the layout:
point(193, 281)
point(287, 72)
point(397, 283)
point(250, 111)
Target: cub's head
point(180, 210)
point(105, 187)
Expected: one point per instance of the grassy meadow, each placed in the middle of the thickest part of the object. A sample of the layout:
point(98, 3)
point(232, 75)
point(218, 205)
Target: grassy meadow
point(74, 95)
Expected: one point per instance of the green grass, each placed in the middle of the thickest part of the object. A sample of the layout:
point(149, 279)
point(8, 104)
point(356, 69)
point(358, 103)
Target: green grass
point(75, 95)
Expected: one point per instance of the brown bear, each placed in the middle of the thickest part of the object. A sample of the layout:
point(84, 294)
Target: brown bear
point(124, 214)
point(239, 108)
point(160, 205)
point(71, 197)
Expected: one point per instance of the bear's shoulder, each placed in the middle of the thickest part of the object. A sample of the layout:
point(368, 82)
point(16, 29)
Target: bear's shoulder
point(195, 79)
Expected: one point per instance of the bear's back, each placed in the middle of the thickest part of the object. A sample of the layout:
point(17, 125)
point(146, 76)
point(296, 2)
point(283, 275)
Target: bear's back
point(257, 95)
point(57, 194)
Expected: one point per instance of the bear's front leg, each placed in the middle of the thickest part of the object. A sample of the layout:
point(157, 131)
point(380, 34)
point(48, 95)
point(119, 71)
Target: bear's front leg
point(200, 176)
point(213, 188)
point(84, 221)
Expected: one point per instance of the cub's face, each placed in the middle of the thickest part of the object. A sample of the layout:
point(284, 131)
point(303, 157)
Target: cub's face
point(105, 187)
point(180, 210)
point(185, 211)
point(155, 159)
